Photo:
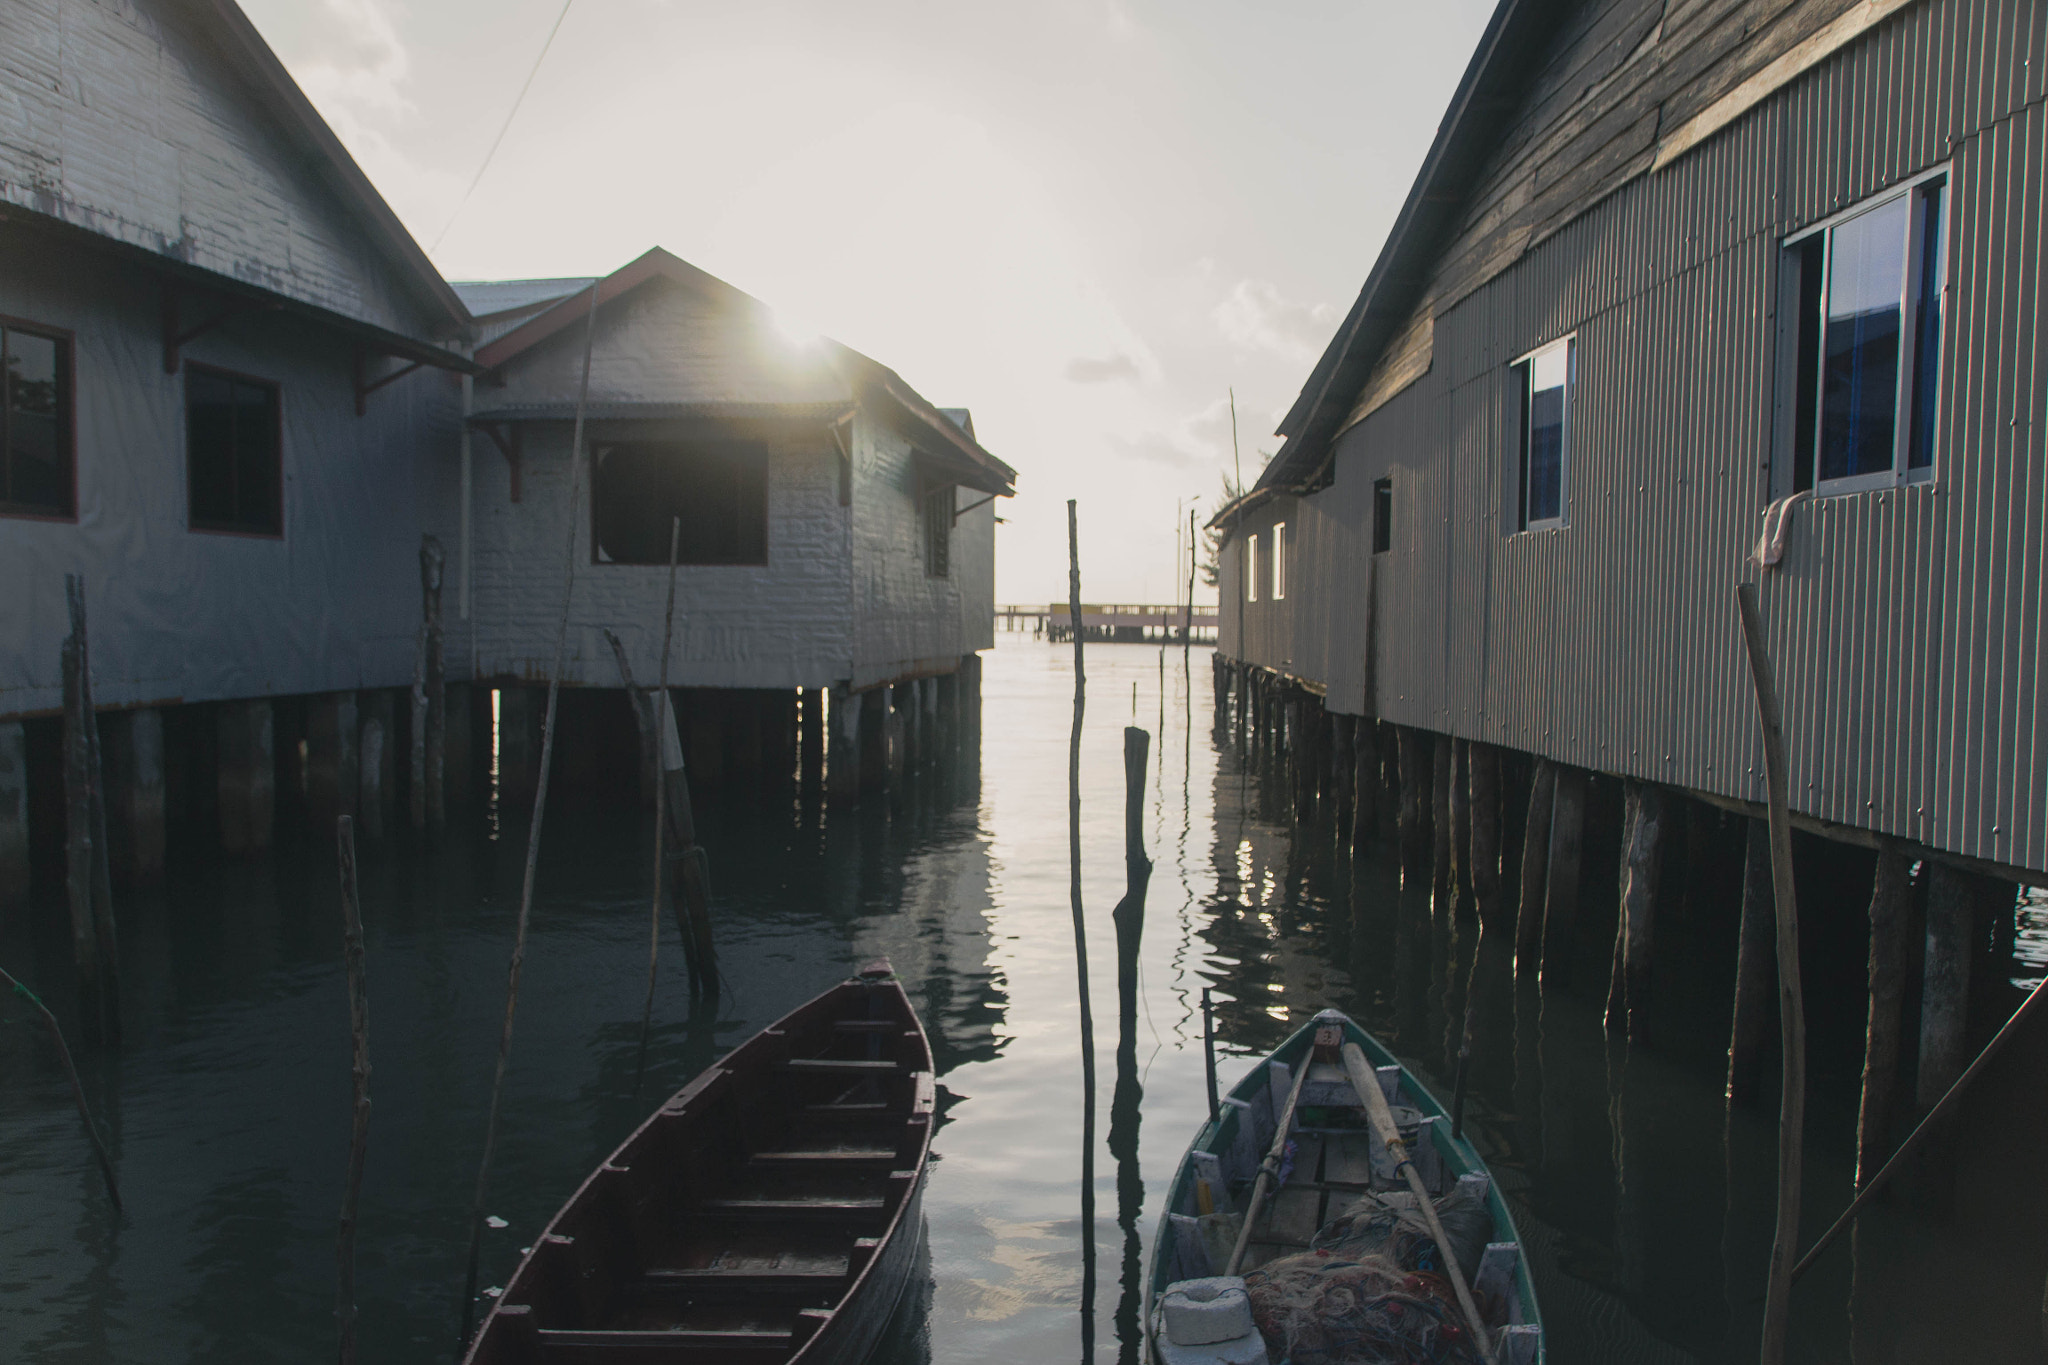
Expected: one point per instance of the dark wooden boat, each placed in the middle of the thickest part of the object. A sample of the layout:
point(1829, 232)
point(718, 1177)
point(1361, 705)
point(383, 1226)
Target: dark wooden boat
point(769, 1212)
point(1336, 1159)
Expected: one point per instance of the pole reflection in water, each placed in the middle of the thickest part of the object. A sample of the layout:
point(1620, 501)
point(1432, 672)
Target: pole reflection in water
point(1645, 1209)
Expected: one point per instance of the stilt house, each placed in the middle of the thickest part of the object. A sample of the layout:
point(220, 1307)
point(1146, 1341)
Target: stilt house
point(1664, 268)
point(229, 401)
point(832, 529)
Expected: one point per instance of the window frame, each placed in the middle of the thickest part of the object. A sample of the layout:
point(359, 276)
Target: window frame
point(1523, 367)
point(936, 527)
point(1792, 352)
point(596, 451)
point(67, 347)
point(187, 369)
point(1249, 567)
point(1279, 558)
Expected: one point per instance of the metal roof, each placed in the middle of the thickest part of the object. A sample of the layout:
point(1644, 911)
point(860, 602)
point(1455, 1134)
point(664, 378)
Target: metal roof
point(666, 412)
point(486, 298)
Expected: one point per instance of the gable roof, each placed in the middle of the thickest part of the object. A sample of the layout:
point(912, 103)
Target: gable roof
point(937, 437)
point(301, 124)
point(1509, 49)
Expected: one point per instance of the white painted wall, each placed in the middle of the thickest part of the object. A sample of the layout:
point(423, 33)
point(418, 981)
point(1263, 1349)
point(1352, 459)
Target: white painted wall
point(120, 117)
point(907, 621)
point(178, 615)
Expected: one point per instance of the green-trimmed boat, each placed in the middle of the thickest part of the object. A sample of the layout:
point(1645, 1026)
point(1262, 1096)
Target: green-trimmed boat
point(1328, 1193)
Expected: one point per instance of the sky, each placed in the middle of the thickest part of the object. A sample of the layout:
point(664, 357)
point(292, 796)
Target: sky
point(1088, 221)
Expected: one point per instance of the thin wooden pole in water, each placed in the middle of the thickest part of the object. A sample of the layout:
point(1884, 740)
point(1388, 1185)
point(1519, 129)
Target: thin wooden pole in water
point(1081, 941)
point(1791, 1001)
point(359, 1123)
point(99, 1148)
point(659, 711)
point(540, 805)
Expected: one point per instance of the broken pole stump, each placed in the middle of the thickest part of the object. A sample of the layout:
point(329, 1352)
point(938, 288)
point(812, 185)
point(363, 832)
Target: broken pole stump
point(1129, 915)
point(359, 1120)
point(1561, 893)
point(1535, 865)
point(88, 881)
point(1890, 893)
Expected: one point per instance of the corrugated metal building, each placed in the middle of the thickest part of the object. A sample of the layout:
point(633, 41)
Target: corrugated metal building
point(1778, 248)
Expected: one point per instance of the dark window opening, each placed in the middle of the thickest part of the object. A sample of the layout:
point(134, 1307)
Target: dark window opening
point(35, 424)
point(1546, 382)
point(1868, 334)
point(717, 490)
point(938, 531)
point(233, 465)
point(1382, 516)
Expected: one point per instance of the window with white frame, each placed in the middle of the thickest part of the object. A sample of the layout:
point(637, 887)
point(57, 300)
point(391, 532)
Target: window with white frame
point(1860, 342)
point(1543, 452)
point(1251, 568)
point(1279, 560)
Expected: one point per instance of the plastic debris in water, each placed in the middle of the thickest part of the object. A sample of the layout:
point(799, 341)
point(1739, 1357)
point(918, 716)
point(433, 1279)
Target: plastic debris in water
point(494, 1291)
point(496, 1222)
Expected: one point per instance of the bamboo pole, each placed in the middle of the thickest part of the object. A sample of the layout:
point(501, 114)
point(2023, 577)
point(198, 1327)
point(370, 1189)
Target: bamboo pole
point(1889, 892)
point(1269, 1169)
point(1791, 1001)
point(660, 708)
point(88, 879)
point(1081, 938)
point(540, 805)
point(1367, 1084)
point(644, 721)
point(429, 747)
point(359, 1124)
point(92, 1132)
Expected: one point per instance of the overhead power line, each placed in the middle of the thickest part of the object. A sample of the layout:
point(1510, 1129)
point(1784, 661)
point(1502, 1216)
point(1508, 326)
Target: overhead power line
point(503, 128)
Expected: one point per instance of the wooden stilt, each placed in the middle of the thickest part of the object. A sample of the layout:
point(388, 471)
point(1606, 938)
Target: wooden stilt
point(1561, 895)
point(843, 750)
point(896, 713)
point(135, 795)
point(359, 1114)
point(458, 777)
point(1343, 772)
point(688, 879)
point(1365, 781)
point(1945, 980)
point(1482, 767)
point(1628, 990)
point(1460, 879)
point(374, 761)
point(1416, 766)
point(1442, 830)
point(1534, 867)
point(1890, 892)
point(811, 743)
point(644, 722)
point(429, 749)
point(14, 865)
point(247, 775)
point(87, 876)
point(1755, 969)
point(333, 777)
point(874, 738)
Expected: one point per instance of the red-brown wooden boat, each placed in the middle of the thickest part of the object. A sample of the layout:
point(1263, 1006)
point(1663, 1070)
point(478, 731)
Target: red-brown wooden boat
point(769, 1212)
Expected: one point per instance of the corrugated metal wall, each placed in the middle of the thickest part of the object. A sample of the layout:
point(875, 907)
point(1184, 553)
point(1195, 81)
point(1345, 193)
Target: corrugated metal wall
point(1905, 625)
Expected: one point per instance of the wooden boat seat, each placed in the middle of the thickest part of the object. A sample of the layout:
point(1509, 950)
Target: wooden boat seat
point(566, 1347)
point(827, 1156)
point(835, 1209)
point(845, 1066)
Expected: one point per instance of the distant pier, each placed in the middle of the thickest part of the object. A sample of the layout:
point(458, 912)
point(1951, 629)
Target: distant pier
point(1114, 623)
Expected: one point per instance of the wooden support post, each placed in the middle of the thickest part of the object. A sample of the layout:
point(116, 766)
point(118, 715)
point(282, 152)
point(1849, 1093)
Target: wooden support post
point(458, 777)
point(1890, 893)
point(87, 877)
point(811, 742)
point(1561, 895)
point(843, 751)
point(135, 795)
point(1535, 867)
point(1482, 768)
point(428, 759)
point(643, 704)
point(247, 775)
point(970, 707)
point(874, 739)
point(359, 1118)
point(1460, 879)
point(689, 876)
point(1945, 980)
point(896, 720)
point(1628, 985)
point(333, 778)
point(1365, 780)
point(1755, 968)
point(1416, 766)
point(927, 722)
point(14, 874)
point(1305, 728)
point(1444, 768)
point(710, 715)
point(377, 758)
point(1343, 770)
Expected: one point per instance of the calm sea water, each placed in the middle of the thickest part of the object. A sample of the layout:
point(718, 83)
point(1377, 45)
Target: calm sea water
point(1647, 1212)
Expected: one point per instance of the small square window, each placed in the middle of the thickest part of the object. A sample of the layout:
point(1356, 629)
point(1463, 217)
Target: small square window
point(1382, 516)
point(1279, 560)
point(36, 477)
point(717, 490)
point(233, 466)
point(1543, 452)
point(1864, 304)
point(1251, 568)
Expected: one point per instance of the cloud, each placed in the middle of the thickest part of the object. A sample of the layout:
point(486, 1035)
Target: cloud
point(1258, 317)
point(1199, 440)
point(361, 67)
point(1088, 370)
point(1156, 447)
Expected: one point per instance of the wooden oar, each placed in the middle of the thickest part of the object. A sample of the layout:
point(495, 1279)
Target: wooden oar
point(1269, 1169)
point(1367, 1084)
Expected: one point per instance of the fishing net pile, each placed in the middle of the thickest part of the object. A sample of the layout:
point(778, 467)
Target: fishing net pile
point(1371, 1290)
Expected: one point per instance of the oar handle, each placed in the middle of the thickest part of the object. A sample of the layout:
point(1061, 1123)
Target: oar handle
point(1269, 1168)
point(1366, 1082)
